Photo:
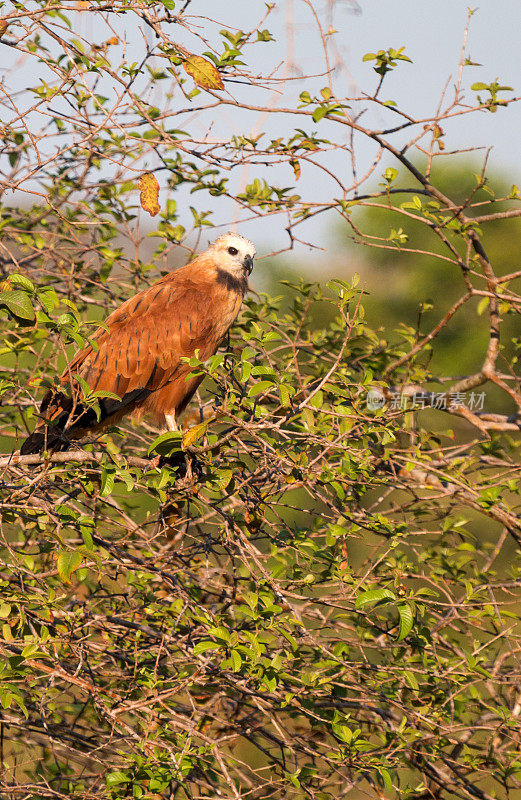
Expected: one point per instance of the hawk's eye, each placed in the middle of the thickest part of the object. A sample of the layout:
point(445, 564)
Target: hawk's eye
point(233, 251)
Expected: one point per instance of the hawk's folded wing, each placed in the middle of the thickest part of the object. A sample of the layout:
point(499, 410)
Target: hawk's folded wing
point(147, 338)
point(139, 354)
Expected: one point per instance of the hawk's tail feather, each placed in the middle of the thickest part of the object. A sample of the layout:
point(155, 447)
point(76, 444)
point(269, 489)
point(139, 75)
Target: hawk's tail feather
point(56, 437)
point(46, 439)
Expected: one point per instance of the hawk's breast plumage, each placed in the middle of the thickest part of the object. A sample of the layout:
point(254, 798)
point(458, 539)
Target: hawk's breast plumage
point(139, 355)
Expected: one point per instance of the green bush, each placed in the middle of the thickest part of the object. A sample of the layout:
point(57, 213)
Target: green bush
point(326, 601)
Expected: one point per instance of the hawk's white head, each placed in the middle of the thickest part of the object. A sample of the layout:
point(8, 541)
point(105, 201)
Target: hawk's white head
point(234, 254)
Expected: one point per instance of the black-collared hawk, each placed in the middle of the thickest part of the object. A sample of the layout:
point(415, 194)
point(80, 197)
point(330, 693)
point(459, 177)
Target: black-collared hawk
point(139, 355)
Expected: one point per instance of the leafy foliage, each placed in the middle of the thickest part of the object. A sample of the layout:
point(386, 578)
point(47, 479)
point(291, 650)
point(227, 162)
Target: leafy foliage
point(302, 593)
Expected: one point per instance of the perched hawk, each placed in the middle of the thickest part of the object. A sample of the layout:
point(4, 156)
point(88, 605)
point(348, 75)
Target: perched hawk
point(139, 356)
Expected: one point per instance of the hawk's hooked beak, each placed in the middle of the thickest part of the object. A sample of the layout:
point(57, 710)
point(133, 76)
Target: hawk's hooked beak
point(248, 264)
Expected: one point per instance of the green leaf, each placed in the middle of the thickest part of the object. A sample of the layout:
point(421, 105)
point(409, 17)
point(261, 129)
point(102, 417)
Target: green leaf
point(18, 303)
point(260, 388)
point(49, 299)
point(103, 393)
point(264, 36)
point(21, 280)
point(167, 443)
point(5, 610)
point(68, 561)
point(108, 478)
point(410, 680)
point(482, 305)
point(206, 644)
point(284, 396)
point(386, 779)
point(373, 596)
point(406, 620)
point(115, 778)
point(224, 477)
point(236, 660)
point(318, 113)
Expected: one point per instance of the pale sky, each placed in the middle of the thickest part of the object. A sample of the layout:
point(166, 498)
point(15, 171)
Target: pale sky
point(432, 34)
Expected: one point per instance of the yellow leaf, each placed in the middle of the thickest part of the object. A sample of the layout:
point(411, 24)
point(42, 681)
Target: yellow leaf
point(3, 25)
point(112, 40)
point(203, 72)
point(194, 433)
point(295, 163)
point(149, 188)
